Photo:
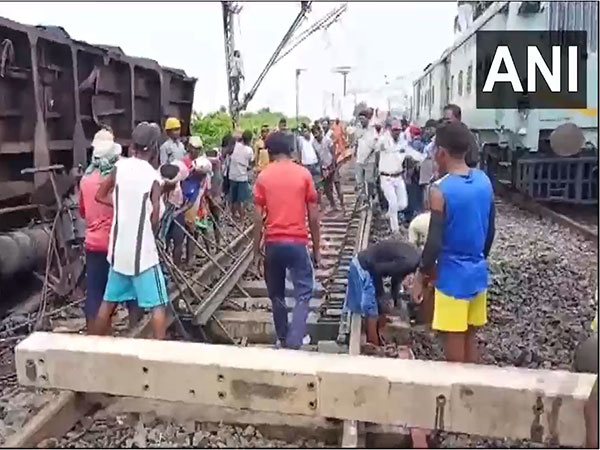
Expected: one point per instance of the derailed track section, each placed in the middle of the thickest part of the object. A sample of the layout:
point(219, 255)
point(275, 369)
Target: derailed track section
point(248, 319)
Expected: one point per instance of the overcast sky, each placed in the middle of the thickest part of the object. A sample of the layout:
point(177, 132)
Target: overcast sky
point(376, 39)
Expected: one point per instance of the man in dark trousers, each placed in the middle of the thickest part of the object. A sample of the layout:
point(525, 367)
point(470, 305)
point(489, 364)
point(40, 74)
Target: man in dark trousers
point(365, 292)
point(284, 195)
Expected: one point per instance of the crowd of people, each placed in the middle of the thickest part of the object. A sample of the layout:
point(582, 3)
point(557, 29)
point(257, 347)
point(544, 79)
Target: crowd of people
point(170, 191)
point(161, 196)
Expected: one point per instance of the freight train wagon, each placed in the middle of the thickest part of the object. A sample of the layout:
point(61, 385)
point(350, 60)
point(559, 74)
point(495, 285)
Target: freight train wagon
point(515, 143)
point(55, 92)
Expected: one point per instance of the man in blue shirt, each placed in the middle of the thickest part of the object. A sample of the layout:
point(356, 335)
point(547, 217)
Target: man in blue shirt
point(461, 232)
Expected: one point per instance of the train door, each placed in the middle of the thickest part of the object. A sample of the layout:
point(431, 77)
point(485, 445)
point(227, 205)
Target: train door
point(445, 84)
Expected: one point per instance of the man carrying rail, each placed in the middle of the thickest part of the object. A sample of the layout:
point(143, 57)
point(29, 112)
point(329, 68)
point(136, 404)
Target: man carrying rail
point(284, 195)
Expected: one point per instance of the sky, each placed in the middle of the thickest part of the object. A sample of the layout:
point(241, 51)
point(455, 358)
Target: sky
point(392, 39)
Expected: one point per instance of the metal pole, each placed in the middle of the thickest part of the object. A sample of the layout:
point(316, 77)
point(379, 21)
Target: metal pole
point(298, 71)
point(297, 95)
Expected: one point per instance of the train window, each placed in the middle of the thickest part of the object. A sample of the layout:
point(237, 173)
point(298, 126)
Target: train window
point(460, 83)
point(469, 78)
point(432, 95)
point(452, 86)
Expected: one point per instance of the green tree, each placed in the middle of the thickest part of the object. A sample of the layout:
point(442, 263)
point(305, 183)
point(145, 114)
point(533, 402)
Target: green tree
point(213, 126)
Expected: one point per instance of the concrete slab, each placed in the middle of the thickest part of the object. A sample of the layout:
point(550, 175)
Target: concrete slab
point(475, 399)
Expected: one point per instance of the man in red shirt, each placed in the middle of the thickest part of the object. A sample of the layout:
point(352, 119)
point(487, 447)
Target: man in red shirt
point(98, 219)
point(284, 194)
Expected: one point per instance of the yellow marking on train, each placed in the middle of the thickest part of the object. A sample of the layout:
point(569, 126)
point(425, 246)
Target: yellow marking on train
point(589, 112)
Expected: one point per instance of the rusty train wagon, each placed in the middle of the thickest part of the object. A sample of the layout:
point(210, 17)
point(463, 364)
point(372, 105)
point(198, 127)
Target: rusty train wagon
point(55, 92)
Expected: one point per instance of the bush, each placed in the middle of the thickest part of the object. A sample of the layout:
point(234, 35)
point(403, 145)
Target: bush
point(213, 126)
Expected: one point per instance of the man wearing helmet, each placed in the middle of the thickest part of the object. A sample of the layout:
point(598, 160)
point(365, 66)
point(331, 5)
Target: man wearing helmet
point(172, 149)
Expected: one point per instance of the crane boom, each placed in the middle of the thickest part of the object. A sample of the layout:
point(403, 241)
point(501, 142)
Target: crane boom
point(229, 10)
point(286, 44)
point(304, 9)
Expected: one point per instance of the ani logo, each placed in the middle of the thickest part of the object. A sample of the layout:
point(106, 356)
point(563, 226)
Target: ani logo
point(531, 69)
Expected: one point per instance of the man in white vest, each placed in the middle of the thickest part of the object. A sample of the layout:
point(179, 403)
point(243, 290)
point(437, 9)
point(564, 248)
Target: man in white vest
point(133, 189)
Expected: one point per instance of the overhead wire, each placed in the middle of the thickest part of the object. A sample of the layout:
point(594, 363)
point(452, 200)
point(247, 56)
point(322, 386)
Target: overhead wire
point(323, 23)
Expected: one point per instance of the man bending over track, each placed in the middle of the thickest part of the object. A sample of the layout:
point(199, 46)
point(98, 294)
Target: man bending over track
point(364, 294)
point(459, 239)
point(284, 194)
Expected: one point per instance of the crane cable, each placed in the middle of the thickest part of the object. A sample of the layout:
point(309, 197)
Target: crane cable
point(324, 23)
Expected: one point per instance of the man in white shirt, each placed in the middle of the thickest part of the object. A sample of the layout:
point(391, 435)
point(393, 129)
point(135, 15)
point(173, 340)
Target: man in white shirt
point(309, 157)
point(237, 73)
point(240, 163)
point(392, 152)
point(366, 142)
point(133, 187)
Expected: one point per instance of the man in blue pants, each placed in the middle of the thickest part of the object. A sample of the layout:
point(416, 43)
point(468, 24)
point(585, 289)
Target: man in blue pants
point(284, 194)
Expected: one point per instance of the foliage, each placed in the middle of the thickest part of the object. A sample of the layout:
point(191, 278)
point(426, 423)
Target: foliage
point(213, 126)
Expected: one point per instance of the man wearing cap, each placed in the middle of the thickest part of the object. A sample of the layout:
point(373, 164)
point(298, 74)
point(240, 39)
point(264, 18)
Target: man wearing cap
point(172, 149)
point(133, 187)
point(284, 195)
point(392, 151)
point(98, 218)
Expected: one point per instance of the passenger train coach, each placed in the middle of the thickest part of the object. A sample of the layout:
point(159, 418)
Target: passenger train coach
point(515, 144)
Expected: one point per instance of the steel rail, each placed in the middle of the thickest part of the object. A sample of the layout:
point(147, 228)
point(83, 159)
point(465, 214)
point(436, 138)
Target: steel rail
point(62, 413)
point(353, 431)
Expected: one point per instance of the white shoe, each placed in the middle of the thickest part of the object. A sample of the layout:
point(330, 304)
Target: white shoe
point(306, 340)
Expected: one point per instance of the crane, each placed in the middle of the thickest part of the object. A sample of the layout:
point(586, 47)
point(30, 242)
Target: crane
point(287, 43)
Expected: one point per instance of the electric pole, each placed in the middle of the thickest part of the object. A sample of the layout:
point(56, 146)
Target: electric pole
point(298, 72)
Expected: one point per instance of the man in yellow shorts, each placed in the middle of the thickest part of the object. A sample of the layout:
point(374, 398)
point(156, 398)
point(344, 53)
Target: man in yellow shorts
point(460, 235)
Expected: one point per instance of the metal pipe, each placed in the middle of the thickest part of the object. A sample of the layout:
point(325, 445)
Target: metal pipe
point(23, 250)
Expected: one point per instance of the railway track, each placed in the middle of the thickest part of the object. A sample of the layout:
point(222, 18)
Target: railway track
point(224, 301)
